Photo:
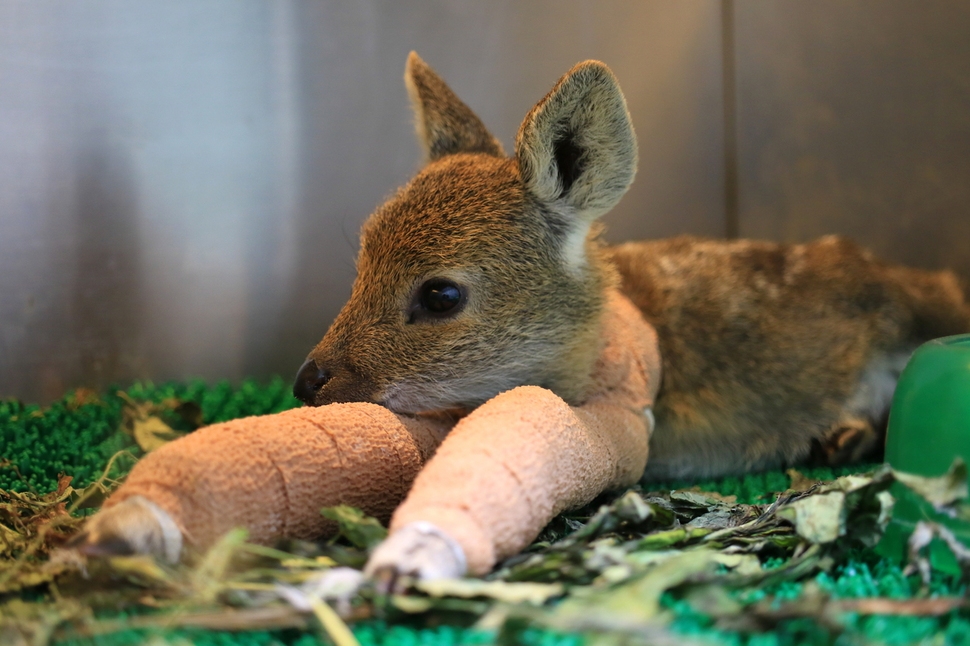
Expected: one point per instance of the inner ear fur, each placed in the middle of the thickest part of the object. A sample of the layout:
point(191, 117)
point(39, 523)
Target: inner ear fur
point(577, 147)
point(445, 124)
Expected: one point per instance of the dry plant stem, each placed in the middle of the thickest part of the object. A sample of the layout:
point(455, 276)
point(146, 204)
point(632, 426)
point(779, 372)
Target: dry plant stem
point(909, 607)
point(521, 458)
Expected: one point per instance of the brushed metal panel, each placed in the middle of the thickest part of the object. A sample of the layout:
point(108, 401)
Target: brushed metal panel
point(854, 118)
point(183, 181)
point(139, 143)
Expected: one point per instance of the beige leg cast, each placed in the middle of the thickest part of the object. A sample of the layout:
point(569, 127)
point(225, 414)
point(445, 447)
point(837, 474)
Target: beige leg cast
point(273, 474)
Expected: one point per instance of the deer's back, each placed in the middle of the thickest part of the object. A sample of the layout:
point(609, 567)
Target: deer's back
point(763, 344)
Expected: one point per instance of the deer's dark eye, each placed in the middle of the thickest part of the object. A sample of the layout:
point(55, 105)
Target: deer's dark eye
point(437, 298)
point(440, 296)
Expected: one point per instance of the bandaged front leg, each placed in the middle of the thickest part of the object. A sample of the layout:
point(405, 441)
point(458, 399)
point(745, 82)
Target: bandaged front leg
point(521, 458)
point(505, 471)
point(270, 474)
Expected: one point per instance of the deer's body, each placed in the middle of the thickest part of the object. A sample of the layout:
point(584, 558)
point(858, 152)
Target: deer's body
point(775, 352)
point(770, 352)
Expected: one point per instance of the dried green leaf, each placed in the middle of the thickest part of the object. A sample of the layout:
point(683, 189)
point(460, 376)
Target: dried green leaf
point(742, 564)
point(143, 571)
point(668, 538)
point(91, 497)
point(361, 530)
point(152, 432)
point(799, 566)
point(31, 526)
point(714, 601)
point(819, 518)
point(923, 534)
point(412, 605)
point(630, 511)
point(942, 492)
point(334, 626)
point(154, 424)
point(529, 593)
point(799, 481)
point(23, 622)
point(95, 493)
point(637, 601)
point(714, 496)
point(696, 499)
point(553, 564)
point(857, 507)
point(15, 576)
point(722, 518)
point(209, 577)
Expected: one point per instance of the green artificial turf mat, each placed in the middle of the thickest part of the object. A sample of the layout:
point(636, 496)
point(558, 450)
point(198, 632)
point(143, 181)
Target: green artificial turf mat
point(78, 435)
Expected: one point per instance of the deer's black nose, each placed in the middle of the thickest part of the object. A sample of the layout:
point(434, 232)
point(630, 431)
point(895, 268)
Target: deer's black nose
point(309, 380)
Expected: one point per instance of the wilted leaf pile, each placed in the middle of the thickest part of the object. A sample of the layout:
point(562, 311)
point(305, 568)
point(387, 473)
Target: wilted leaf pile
point(663, 566)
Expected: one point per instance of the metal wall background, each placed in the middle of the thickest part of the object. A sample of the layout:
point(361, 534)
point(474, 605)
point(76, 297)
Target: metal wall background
point(854, 117)
point(183, 181)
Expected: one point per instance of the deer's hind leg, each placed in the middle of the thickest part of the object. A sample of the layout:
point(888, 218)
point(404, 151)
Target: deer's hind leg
point(860, 433)
point(848, 441)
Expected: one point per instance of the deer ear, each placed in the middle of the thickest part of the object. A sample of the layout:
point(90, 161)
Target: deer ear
point(445, 124)
point(576, 147)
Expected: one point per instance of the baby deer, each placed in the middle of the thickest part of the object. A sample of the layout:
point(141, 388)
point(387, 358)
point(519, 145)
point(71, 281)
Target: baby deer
point(485, 272)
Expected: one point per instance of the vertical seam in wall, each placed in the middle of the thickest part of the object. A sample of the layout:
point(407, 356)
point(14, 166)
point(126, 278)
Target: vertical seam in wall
point(732, 224)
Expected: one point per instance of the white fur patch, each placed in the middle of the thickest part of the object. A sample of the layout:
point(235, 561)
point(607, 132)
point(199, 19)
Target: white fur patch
point(574, 248)
point(171, 535)
point(651, 420)
point(874, 392)
point(422, 550)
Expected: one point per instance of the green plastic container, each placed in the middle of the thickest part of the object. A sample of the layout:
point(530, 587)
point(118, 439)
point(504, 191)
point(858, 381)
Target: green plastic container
point(929, 425)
